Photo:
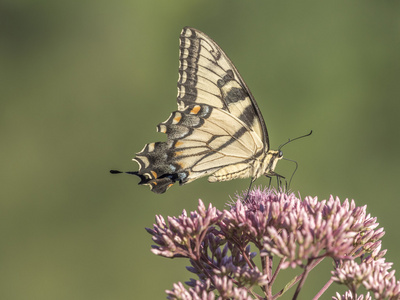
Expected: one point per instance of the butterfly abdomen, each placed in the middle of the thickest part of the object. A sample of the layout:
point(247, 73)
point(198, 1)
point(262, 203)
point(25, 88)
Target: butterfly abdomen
point(242, 170)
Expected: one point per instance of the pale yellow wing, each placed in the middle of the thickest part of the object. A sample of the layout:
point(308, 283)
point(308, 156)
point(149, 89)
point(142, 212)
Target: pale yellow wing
point(217, 127)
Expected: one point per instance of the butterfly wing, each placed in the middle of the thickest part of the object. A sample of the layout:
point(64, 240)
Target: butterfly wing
point(207, 75)
point(218, 128)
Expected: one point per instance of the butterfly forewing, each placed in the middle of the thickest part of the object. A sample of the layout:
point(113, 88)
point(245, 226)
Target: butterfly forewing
point(206, 75)
point(217, 130)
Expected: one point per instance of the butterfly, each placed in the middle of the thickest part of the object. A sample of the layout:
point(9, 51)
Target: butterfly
point(218, 130)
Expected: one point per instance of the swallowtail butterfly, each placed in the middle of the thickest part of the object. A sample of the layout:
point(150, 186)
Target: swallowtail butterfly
point(218, 129)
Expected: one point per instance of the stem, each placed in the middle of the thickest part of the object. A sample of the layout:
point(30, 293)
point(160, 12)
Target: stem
point(287, 287)
point(297, 278)
point(278, 268)
point(303, 279)
point(263, 266)
point(270, 262)
point(250, 263)
point(324, 288)
point(266, 263)
point(190, 250)
point(200, 267)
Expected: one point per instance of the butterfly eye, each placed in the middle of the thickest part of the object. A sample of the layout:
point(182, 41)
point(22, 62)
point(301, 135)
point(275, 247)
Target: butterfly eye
point(280, 154)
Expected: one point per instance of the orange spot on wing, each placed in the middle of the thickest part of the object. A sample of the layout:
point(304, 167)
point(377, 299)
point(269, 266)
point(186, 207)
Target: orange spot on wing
point(154, 174)
point(178, 143)
point(177, 153)
point(195, 110)
point(169, 185)
point(177, 119)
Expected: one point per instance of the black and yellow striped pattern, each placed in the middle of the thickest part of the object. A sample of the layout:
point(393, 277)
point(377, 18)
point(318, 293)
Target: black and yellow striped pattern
point(217, 131)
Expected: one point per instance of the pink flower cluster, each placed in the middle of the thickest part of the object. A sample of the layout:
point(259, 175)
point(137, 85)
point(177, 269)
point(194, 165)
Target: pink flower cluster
point(299, 233)
point(373, 273)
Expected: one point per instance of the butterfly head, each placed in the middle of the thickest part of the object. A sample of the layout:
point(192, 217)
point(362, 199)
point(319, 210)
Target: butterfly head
point(272, 157)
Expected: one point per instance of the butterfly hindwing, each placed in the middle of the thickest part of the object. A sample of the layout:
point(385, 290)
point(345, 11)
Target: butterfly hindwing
point(201, 140)
point(217, 130)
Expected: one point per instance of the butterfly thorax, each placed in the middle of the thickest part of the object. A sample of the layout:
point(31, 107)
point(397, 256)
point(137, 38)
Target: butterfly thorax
point(270, 160)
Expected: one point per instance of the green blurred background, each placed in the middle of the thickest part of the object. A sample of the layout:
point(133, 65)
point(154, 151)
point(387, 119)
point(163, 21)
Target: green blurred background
point(84, 83)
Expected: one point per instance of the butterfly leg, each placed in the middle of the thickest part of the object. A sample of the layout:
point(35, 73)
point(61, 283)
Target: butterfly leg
point(278, 180)
point(248, 190)
point(270, 182)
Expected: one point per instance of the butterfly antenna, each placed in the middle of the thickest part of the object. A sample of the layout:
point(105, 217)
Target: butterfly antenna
point(291, 140)
point(291, 177)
